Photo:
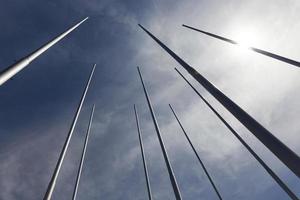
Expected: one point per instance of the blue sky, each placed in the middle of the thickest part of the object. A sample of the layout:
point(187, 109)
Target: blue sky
point(37, 106)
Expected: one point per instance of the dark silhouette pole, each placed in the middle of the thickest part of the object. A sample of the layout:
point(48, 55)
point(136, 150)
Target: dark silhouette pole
point(260, 51)
point(161, 142)
point(199, 159)
point(143, 154)
point(51, 185)
point(83, 155)
point(286, 155)
point(251, 151)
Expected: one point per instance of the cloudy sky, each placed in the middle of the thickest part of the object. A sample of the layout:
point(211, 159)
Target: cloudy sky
point(38, 105)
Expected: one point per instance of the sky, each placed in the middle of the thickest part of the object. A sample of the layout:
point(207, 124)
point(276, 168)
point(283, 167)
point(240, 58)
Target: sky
point(38, 104)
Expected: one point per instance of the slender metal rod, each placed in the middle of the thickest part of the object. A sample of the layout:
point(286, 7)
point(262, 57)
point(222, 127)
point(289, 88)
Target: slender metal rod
point(251, 151)
point(286, 155)
point(196, 153)
point(161, 142)
point(143, 153)
point(83, 154)
point(13, 69)
point(260, 51)
point(52, 182)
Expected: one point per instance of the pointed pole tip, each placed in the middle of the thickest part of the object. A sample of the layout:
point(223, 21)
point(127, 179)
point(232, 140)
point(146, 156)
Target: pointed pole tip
point(86, 18)
point(141, 26)
point(79, 23)
point(94, 66)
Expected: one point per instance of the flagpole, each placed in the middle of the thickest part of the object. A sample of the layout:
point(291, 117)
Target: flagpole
point(83, 154)
point(161, 142)
point(251, 151)
point(143, 153)
point(260, 51)
point(52, 182)
point(13, 69)
point(197, 155)
point(285, 154)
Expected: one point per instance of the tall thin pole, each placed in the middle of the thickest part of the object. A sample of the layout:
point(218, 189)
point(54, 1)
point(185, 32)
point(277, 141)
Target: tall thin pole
point(161, 142)
point(260, 51)
point(143, 153)
point(251, 151)
point(286, 155)
point(13, 69)
point(83, 154)
point(198, 157)
point(52, 182)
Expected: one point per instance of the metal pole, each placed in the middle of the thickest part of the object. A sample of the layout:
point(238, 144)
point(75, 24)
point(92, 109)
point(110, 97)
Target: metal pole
point(13, 69)
point(263, 164)
point(52, 182)
point(286, 155)
point(161, 142)
point(83, 154)
point(143, 154)
point(199, 159)
point(260, 51)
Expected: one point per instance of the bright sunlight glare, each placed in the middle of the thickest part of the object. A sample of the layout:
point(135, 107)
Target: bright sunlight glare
point(245, 38)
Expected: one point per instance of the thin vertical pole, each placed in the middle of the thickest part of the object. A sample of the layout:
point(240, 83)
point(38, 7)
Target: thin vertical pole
point(199, 159)
point(260, 51)
point(83, 154)
point(13, 69)
point(285, 154)
point(52, 182)
point(251, 151)
point(143, 153)
point(161, 142)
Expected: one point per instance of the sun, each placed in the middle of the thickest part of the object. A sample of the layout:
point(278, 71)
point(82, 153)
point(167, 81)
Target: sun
point(245, 38)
